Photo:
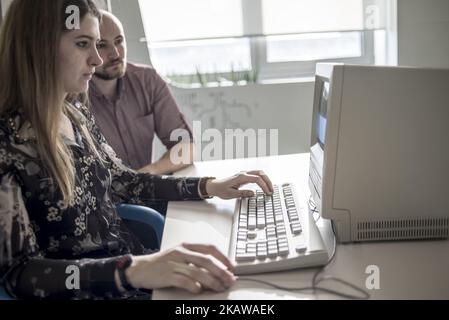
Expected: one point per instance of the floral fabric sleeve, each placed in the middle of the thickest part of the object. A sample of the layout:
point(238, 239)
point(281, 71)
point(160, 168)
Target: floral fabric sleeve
point(137, 188)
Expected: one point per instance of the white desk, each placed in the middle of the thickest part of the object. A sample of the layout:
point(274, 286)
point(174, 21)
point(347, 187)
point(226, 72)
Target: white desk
point(408, 269)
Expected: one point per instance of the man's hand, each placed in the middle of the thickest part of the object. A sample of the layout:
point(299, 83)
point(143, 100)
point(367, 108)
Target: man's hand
point(228, 188)
point(165, 164)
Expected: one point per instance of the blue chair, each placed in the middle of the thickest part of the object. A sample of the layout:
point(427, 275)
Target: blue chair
point(4, 295)
point(146, 224)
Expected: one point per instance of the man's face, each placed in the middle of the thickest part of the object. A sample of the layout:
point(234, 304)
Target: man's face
point(112, 50)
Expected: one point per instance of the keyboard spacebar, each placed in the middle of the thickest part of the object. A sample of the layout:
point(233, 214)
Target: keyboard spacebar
point(245, 257)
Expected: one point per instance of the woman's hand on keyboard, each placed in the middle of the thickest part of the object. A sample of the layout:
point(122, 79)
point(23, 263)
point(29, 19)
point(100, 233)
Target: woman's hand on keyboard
point(228, 188)
point(189, 266)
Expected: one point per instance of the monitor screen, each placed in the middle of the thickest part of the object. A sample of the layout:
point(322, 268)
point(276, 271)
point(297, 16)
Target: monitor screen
point(322, 113)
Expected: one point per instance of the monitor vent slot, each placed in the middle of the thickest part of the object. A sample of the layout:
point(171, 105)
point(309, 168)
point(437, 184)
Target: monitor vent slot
point(402, 229)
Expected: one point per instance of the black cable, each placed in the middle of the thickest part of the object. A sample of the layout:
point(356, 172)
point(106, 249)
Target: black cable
point(366, 295)
point(313, 209)
point(315, 282)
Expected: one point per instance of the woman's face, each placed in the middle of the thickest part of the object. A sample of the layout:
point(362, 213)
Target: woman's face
point(78, 55)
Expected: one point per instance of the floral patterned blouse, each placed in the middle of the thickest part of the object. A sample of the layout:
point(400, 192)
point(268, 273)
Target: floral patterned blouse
point(42, 240)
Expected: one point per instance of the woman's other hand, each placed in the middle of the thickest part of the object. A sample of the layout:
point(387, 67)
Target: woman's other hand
point(228, 188)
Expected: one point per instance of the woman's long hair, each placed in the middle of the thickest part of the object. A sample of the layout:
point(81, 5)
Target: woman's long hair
point(30, 78)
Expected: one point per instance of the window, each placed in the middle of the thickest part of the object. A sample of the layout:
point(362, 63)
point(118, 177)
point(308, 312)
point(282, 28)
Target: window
point(3, 9)
point(255, 40)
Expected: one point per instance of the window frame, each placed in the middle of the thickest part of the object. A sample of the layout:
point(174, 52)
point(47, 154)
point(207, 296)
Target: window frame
point(252, 14)
point(278, 71)
point(1, 13)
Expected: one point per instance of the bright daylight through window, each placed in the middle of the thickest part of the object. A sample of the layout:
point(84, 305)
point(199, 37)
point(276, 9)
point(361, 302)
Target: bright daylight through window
point(239, 41)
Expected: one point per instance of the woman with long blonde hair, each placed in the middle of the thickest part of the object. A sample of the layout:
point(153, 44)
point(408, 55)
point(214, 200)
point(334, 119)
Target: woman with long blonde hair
point(60, 181)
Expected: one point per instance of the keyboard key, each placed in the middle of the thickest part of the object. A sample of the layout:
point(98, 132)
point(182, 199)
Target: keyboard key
point(271, 236)
point(296, 229)
point(244, 206)
point(262, 250)
point(283, 250)
point(240, 251)
point(281, 231)
point(280, 228)
point(271, 229)
point(273, 252)
point(251, 250)
point(282, 240)
point(296, 224)
point(245, 257)
point(278, 218)
point(241, 237)
point(241, 245)
point(251, 244)
point(252, 235)
point(300, 247)
point(251, 247)
point(252, 223)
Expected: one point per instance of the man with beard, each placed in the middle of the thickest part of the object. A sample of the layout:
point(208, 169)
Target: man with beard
point(131, 103)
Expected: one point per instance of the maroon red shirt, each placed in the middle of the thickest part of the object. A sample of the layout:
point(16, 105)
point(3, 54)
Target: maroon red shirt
point(144, 107)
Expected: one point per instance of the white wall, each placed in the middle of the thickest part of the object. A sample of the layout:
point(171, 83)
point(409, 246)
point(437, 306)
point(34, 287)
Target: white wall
point(129, 14)
point(285, 107)
point(423, 33)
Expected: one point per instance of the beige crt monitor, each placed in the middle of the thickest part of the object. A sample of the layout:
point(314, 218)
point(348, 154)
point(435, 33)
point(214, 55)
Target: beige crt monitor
point(379, 165)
